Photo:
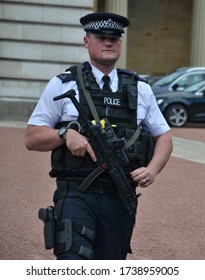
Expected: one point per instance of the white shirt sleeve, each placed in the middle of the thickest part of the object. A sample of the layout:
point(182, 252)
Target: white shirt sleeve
point(148, 113)
point(49, 112)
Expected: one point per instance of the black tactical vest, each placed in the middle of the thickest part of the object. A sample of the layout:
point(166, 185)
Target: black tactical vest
point(120, 108)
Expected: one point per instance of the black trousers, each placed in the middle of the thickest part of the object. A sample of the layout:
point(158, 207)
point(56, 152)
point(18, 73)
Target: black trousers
point(107, 216)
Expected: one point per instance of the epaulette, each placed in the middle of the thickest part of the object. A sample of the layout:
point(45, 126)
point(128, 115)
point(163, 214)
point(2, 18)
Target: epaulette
point(66, 77)
point(131, 73)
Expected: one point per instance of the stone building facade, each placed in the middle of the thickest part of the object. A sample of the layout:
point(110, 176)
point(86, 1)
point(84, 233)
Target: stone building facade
point(41, 38)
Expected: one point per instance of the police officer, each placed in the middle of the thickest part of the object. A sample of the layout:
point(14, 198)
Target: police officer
point(95, 223)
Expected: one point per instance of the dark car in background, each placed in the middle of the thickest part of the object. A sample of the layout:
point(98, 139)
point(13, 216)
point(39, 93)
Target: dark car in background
point(185, 106)
point(153, 78)
point(179, 80)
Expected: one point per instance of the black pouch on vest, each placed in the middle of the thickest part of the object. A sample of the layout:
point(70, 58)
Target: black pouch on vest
point(148, 145)
point(63, 162)
point(141, 152)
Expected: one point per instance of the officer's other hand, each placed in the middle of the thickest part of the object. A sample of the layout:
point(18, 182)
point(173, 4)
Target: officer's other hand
point(142, 176)
point(78, 144)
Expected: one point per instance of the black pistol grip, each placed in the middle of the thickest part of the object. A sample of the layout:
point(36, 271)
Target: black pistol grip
point(42, 214)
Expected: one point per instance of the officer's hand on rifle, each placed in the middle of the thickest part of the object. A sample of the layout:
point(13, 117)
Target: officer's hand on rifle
point(78, 144)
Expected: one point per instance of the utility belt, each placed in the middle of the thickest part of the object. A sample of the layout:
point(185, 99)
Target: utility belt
point(102, 186)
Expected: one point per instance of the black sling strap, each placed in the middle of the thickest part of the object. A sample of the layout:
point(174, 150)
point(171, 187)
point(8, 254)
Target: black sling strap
point(87, 96)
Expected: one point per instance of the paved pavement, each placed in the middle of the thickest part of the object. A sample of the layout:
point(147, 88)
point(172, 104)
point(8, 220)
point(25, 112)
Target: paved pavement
point(170, 220)
point(189, 149)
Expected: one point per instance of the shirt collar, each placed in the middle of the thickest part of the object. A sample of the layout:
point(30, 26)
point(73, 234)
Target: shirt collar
point(98, 75)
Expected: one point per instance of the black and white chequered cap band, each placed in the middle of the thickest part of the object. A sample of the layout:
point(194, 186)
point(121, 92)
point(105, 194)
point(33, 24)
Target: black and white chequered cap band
point(103, 24)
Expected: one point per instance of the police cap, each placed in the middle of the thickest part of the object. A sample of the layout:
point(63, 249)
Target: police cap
point(107, 24)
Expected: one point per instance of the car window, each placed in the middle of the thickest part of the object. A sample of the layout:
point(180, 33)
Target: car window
point(166, 80)
point(190, 79)
point(196, 87)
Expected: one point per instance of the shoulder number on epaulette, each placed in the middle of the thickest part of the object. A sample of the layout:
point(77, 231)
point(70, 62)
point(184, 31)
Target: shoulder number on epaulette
point(66, 77)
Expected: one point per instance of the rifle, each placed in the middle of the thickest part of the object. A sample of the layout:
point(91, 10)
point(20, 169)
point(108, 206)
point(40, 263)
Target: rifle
point(110, 154)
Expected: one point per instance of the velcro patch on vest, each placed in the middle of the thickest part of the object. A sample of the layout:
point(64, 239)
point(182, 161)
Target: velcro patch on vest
point(112, 101)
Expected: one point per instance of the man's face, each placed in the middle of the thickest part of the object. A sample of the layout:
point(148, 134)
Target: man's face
point(103, 50)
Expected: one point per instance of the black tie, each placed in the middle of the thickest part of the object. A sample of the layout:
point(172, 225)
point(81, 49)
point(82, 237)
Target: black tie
point(106, 86)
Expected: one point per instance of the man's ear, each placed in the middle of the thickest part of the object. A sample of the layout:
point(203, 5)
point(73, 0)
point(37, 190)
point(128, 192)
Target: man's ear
point(86, 39)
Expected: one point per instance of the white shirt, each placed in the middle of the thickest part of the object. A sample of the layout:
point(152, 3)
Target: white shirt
point(49, 112)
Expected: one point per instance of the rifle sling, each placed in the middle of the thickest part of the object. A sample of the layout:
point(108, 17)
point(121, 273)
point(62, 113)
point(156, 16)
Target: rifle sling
point(133, 138)
point(87, 96)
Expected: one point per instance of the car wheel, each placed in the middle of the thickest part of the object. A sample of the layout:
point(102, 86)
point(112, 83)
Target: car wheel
point(176, 115)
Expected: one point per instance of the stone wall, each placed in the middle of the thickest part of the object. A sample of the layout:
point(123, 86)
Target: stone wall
point(38, 39)
point(159, 36)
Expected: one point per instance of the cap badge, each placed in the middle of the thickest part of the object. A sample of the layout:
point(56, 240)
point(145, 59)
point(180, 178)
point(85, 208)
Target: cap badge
point(109, 23)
